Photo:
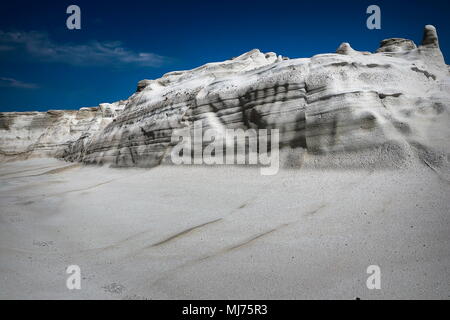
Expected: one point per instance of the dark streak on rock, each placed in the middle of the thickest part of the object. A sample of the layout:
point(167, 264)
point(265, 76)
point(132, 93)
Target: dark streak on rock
point(426, 73)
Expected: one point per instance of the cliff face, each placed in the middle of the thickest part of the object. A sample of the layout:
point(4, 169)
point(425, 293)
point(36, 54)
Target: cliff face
point(348, 102)
point(37, 134)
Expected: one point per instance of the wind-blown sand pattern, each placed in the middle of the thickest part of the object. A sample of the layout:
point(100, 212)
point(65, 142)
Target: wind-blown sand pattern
point(176, 232)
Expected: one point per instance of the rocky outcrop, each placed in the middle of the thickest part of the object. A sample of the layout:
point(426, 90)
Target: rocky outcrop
point(430, 37)
point(397, 98)
point(35, 134)
point(396, 45)
point(346, 49)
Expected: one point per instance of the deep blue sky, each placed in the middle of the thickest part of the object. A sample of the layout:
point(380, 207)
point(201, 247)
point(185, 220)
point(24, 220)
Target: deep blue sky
point(43, 65)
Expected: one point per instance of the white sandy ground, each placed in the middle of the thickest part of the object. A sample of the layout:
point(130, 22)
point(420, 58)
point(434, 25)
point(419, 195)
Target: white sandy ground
point(222, 233)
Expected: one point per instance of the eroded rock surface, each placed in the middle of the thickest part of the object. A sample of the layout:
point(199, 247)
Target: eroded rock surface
point(396, 99)
point(34, 134)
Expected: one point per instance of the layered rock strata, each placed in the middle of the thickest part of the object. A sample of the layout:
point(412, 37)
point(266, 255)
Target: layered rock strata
point(49, 134)
point(397, 98)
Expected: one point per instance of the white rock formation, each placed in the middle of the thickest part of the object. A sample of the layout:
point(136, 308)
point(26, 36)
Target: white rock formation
point(31, 134)
point(350, 102)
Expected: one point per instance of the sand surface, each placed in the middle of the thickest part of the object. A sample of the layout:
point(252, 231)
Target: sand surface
point(222, 233)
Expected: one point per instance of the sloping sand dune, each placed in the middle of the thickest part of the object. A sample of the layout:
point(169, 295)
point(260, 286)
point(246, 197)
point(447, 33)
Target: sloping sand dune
point(223, 232)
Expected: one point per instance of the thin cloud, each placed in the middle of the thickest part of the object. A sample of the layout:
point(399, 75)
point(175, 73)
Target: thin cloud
point(39, 46)
point(13, 83)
